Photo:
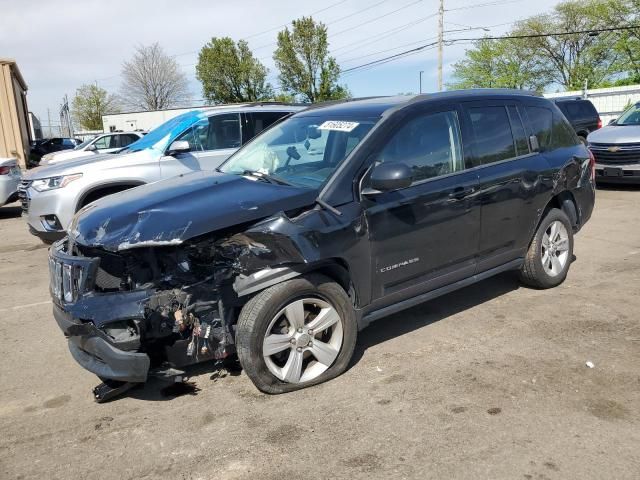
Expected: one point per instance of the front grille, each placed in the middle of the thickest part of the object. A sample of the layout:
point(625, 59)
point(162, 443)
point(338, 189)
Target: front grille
point(23, 195)
point(69, 276)
point(621, 153)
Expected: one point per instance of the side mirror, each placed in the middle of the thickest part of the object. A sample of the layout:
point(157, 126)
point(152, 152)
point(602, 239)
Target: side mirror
point(612, 121)
point(386, 177)
point(179, 146)
point(91, 148)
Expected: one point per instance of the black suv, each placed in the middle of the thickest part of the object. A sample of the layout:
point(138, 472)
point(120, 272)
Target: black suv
point(582, 116)
point(53, 145)
point(335, 217)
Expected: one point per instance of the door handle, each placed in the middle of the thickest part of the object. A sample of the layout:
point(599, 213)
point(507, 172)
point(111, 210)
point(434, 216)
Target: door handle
point(461, 192)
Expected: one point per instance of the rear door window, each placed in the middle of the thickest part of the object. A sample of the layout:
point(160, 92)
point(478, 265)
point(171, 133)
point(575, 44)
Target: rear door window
point(256, 122)
point(493, 139)
point(541, 122)
point(127, 139)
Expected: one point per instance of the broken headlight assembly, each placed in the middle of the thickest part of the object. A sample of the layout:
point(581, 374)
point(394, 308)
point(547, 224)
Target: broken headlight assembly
point(51, 183)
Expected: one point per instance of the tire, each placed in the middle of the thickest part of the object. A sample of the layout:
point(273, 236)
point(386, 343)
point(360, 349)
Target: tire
point(269, 310)
point(549, 275)
point(583, 140)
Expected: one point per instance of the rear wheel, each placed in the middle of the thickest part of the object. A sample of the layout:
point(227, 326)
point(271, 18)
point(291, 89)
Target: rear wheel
point(296, 334)
point(549, 256)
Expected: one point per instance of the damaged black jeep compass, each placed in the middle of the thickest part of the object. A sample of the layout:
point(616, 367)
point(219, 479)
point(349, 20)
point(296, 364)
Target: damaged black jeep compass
point(335, 217)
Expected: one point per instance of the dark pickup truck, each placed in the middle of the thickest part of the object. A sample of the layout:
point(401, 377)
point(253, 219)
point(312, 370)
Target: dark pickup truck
point(335, 217)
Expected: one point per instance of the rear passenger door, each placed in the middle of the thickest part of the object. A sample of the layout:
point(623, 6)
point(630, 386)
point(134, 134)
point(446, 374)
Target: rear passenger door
point(508, 174)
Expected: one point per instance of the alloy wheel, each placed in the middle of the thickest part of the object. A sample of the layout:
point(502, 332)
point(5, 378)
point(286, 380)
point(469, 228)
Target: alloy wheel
point(303, 340)
point(555, 248)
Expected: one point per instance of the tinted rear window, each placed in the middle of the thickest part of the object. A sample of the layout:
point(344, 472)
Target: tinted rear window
point(492, 132)
point(578, 109)
point(541, 121)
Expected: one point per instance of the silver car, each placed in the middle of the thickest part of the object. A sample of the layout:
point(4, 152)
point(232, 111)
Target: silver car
point(616, 148)
point(10, 174)
point(196, 140)
point(105, 143)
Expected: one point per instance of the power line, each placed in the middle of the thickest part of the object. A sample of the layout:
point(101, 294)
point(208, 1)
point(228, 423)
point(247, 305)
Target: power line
point(555, 34)
point(329, 23)
point(390, 57)
point(375, 19)
point(502, 37)
point(381, 36)
point(479, 5)
point(284, 25)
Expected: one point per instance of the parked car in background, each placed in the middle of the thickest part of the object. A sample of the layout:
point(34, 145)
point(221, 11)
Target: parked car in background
point(53, 145)
point(616, 148)
point(333, 218)
point(193, 141)
point(106, 143)
point(10, 175)
point(582, 116)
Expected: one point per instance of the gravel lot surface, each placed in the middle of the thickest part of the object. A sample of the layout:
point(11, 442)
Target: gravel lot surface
point(488, 382)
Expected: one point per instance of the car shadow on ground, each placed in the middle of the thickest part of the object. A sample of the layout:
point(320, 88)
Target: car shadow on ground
point(433, 311)
point(378, 332)
point(12, 210)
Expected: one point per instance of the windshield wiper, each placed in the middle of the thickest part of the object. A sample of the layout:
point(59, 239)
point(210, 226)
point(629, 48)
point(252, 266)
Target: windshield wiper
point(269, 178)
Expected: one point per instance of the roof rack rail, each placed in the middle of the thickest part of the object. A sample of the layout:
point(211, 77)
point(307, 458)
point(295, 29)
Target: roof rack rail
point(343, 100)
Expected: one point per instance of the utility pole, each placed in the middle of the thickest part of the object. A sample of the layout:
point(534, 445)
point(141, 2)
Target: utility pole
point(49, 119)
point(440, 42)
point(421, 72)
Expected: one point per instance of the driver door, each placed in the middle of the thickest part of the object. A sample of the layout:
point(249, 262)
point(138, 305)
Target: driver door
point(424, 236)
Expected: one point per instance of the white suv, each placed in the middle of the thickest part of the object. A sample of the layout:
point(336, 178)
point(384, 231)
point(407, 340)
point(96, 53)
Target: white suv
point(193, 141)
point(106, 143)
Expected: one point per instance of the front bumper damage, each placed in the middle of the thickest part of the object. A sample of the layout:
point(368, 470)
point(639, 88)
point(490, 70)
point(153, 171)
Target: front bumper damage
point(126, 336)
point(98, 353)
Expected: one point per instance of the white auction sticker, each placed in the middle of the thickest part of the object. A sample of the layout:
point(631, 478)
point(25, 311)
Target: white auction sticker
point(338, 125)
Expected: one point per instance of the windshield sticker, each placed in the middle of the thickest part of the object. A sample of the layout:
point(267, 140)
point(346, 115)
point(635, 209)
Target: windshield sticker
point(338, 126)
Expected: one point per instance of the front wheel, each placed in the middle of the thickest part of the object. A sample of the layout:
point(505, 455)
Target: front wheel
point(296, 334)
point(549, 256)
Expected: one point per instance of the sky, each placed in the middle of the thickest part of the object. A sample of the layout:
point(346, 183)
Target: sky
point(61, 44)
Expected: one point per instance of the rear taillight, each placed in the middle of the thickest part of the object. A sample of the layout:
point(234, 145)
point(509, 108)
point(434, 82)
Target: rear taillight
point(592, 165)
point(599, 122)
point(5, 170)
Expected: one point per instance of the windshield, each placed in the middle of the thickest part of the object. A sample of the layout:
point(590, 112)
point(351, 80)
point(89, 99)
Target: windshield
point(160, 137)
point(84, 144)
point(303, 151)
point(631, 116)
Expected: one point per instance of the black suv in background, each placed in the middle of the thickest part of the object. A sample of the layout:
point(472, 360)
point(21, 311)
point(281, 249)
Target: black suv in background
point(333, 218)
point(53, 145)
point(582, 116)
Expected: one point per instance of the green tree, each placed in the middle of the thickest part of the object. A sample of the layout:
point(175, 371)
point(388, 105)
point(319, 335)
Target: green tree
point(89, 104)
point(572, 59)
point(306, 69)
point(626, 43)
point(500, 64)
point(229, 73)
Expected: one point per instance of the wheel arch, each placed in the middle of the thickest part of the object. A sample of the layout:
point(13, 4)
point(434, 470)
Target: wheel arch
point(111, 187)
point(566, 202)
point(334, 268)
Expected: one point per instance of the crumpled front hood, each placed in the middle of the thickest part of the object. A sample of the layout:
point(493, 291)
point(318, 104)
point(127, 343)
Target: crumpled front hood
point(174, 210)
point(616, 134)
